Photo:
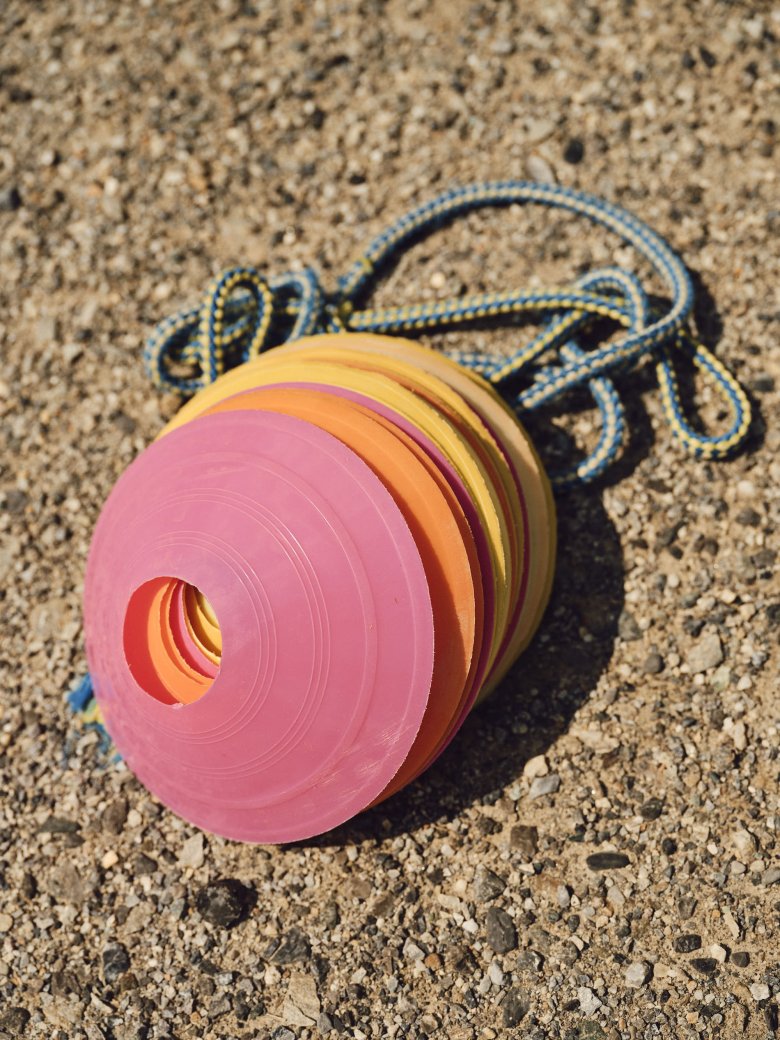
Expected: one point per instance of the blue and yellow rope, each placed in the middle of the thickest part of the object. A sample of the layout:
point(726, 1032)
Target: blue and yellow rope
point(243, 314)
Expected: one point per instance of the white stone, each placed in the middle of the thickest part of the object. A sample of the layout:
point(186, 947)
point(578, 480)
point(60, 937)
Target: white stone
point(615, 897)
point(589, 1002)
point(538, 169)
point(302, 1005)
point(759, 991)
point(496, 974)
point(192, 852)
point(413, 951)
point(536, 766)
point(6, 922)
point(706, 654)
point(109, 860)
point(544, 785)
point(718, 953)
point(637, 974)
point(743, 842)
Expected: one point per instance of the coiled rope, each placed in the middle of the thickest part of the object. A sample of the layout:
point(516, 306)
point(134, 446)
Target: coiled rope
point(243, 314)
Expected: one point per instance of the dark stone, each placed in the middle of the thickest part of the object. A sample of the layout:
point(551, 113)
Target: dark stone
point(530, 960)
point(574, 151)
point(10, 200)
point(515, 1006)
point(114, 816)
point(652, 809)
point(653, 664)
point(488, 886)
point(589, 1030)
point(748, 517)
point(14, 1021)
point(64, 982)
point(740, 959)
point(707, 57)
point(461, 959)
point(686, 906)
point(607, 861)
point(668, 846)
point(687, 943)
point(59, 825)
point(283, 1033)
point(225, 903)
point(628, 629)
point(294, 946)
point(525, 839)
point(500, 930)
point(124, 423)
point(485, 825)
point(143, 864)
point(705, 965)
point(15, 501)
point(569, 954)
point(330, 915)
point(667, 536)
point(115, 962)
point(29, 886)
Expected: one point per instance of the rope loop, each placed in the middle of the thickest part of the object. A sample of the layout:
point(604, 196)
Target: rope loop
point(243, 314)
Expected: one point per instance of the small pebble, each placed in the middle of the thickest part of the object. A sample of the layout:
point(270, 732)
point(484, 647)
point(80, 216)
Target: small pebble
point(10, 199)
point(488, 885)
point(607, 861)
point(538, 169)
point(589, 1002)
point(718, 953)
point(224, 903)
point(529, 960)
point(628, 629)
point(651, 809)
point(495, 974)
point(500, 930)
point(116, 962)
point(759, 991)
point(192, 852)
point(687, 943)
point(637, 974)
point(543, 785)
point(515, 1007)
point(706, 654)
point(740, 959)
point(574, 151)
point(525, 840)
point(704, 965)
point(114, 816)
point(653, 663)
point(290, 948)
point(13, 1021)
point(536, 766)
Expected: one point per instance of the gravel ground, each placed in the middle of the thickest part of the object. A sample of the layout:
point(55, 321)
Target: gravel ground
point(598, 854)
